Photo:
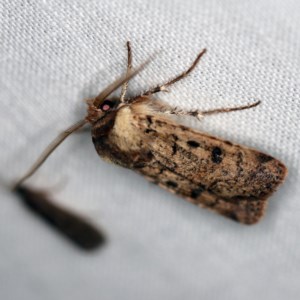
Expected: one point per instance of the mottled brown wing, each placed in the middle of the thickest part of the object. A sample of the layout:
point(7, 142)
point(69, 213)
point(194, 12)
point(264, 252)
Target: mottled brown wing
point(230, 179)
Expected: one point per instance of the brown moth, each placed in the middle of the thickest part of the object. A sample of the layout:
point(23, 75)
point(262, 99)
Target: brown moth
point(141, 134)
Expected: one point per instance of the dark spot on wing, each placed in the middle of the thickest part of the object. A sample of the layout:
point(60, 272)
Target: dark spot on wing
point(193, 144)
point(148, 130)
point(149, 119)
point(269, 186)
point(149, 155)
point(174, 149)
point(216, 155)
point(228, 143)
point(197, 192)
point(263, 158)
point(171, 183)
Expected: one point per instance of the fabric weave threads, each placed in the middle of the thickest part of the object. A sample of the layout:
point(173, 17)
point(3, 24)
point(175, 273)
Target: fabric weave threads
point(54, 54)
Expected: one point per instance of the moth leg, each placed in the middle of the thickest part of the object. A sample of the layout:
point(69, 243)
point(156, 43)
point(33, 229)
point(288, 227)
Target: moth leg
point(167, 109)
point(129, 67)
point(163, 87)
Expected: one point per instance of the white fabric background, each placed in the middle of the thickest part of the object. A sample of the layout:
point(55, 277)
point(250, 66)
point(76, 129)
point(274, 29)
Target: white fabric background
point(53, 54)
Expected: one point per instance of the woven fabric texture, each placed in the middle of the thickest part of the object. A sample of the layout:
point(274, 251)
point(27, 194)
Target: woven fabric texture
point(54, 54)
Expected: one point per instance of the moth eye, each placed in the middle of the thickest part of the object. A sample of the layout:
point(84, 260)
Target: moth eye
point(106, 105)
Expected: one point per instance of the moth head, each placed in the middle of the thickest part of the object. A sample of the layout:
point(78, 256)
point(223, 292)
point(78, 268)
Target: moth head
point(101, 109)
point(102, 105)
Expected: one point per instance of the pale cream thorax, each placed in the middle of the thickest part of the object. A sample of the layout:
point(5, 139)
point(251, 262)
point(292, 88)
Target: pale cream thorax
point(124, 134)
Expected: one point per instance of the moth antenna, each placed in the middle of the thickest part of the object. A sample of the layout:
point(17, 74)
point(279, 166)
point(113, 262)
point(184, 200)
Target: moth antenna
point(163, 87)
point(75, 227)
point(129, 67)
point(47, 152)
point(70, 224)
point(118, 82)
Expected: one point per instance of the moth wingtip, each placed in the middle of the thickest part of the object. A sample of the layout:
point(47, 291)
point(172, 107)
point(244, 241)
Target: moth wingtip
point(246, 211)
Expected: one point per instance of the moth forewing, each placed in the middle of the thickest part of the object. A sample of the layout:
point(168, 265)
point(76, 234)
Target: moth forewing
point(230, 179)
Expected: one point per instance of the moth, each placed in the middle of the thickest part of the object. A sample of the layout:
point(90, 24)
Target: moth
point(141, 133)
